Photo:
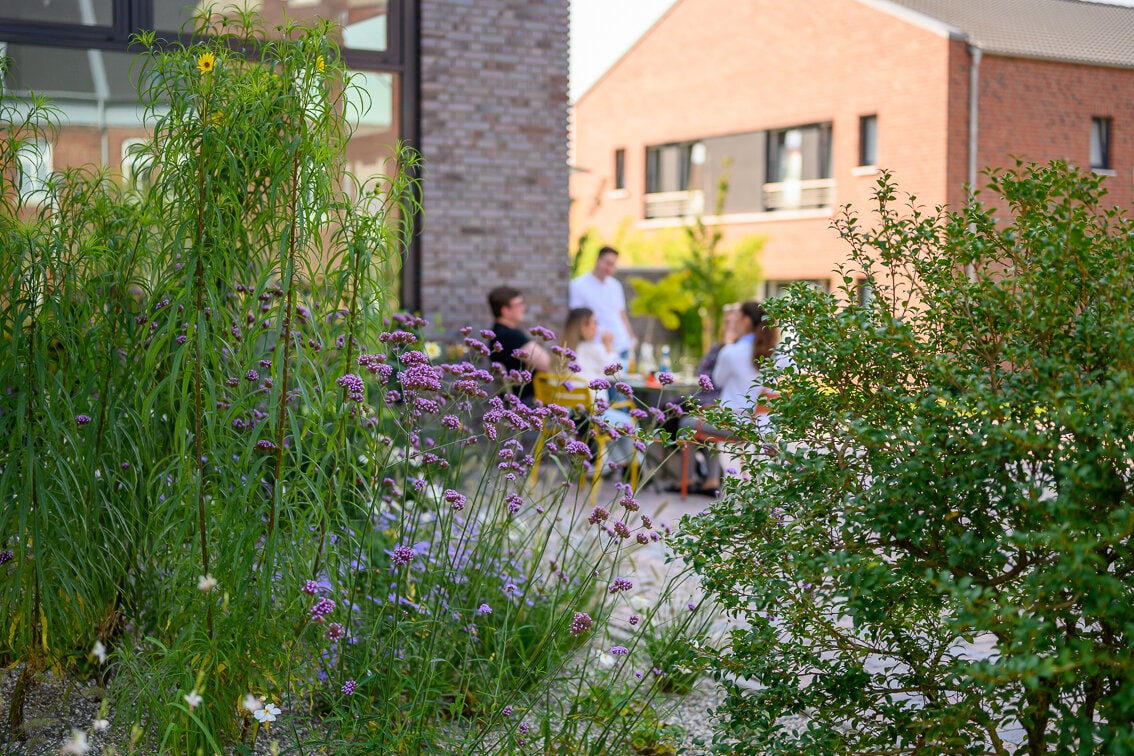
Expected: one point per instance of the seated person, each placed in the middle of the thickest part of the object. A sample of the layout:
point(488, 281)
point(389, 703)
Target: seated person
point(592, 357)
point(517, 350)
point(738, 379)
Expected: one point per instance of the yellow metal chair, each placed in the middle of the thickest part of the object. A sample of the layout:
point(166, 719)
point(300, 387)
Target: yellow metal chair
point(572, 392)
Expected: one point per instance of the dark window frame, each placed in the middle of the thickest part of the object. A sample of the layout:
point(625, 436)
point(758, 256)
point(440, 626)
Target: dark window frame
point(825, 141)
point(868, 139)
point(620, 168)
point(685, 171)
point(401, 57)
point(1102, 129)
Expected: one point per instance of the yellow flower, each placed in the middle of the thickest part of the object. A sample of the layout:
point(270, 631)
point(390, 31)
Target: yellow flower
point(320, 64)
point(216, 117)
point(206, 62)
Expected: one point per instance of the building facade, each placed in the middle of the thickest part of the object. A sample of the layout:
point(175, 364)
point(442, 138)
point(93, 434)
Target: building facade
point(479, 88)
point(803, 105)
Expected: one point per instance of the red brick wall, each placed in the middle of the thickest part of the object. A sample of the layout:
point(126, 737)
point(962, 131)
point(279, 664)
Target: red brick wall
point(718, 66)
point(1041, 111)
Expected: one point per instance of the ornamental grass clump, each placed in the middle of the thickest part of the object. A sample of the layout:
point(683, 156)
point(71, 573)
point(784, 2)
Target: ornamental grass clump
point(932, 548)
point(237, 488)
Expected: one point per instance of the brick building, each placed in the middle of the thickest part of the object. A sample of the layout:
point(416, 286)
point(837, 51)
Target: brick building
point(803, 103)
point(479, 87)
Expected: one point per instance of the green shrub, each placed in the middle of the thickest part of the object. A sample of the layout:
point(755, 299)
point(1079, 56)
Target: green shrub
point(932, 549)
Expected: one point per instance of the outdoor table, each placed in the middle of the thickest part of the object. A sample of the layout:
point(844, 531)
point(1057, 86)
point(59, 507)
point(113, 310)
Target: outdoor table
point(649, 391)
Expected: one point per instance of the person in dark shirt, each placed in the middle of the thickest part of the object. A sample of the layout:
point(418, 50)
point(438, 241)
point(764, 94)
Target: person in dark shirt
point(517, 350)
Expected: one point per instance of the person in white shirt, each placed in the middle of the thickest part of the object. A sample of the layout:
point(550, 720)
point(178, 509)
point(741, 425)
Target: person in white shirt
point(602, 293)
point(736, 376)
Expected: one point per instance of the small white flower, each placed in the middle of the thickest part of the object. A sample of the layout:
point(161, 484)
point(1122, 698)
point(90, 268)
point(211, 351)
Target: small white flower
point(99, 651)
point(432, 350)
point(100, 724)
point(251, 703)
point(76, 744)
point(267, 714)
point(605, 660)
point(193, 698)
point(206, 583)
point(639, 602)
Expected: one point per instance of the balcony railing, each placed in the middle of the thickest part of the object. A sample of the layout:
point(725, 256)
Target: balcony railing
point(675, 204)
point(799, 195)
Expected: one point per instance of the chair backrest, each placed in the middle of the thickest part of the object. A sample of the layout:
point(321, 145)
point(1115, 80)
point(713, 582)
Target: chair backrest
point(568, 391)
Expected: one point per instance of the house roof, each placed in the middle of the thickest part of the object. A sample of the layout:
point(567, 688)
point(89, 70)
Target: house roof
point(1067, 30)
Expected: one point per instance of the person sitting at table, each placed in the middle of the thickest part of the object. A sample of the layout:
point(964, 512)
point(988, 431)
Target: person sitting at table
point(592, 357)
point(737, 376)
point(517, 351)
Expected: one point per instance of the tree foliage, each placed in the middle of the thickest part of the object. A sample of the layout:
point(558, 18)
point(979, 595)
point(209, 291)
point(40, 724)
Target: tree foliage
point(931, 551)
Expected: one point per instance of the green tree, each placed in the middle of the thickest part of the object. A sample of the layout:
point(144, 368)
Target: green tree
point(932, 550)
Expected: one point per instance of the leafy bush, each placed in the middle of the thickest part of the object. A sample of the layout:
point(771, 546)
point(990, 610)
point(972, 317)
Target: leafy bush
point(932, 549)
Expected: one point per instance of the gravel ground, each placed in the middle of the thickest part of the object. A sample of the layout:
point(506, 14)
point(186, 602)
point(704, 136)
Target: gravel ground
point(55, 706)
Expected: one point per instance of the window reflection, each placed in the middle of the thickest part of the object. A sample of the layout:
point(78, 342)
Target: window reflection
point(85, 12)
point(102, 119)
point(362, 22)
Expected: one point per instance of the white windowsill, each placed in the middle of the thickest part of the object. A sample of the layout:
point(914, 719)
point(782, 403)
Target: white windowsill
point(1104, 172)
point(864, 170)
point(616, 194)
point(768, 217)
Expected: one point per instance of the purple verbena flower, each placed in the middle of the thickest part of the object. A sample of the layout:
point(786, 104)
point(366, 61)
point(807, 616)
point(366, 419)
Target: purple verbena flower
point(578, 449)
point(484, 609)
point(310, 587)
point(635, 619)
point(456, 499)
point(348, 687)
point(621, 584)
point(612, 368)
point(403, 555)
point(665, 379)
point(542, 333)
point(507, 710)
point(580, 624)
point(621, 529)
point(6, 556)
point(598, 514)
point(705, 382)
point(265, 445)
point(355, 388)
point(81, 420)
point(322, 608)
point(524, 727)
point(335, 632)
point(514, 502)
point(619, 651)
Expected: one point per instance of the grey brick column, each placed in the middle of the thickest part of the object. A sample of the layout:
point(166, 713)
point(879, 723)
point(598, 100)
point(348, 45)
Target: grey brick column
point(494, 142)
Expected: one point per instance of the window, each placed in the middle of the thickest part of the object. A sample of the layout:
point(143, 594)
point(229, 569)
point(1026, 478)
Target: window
point(620, 169)
point(799, 168)
point(35, 169)
point(670, 167)
point(864, 291)
point(136, 162)
point(1100, 143)
point(868, 140)
point(79, 52)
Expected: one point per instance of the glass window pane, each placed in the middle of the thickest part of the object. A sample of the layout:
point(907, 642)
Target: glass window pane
point(100, 111)
point(362, 23)
point(85, 12)
point(372, 143)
